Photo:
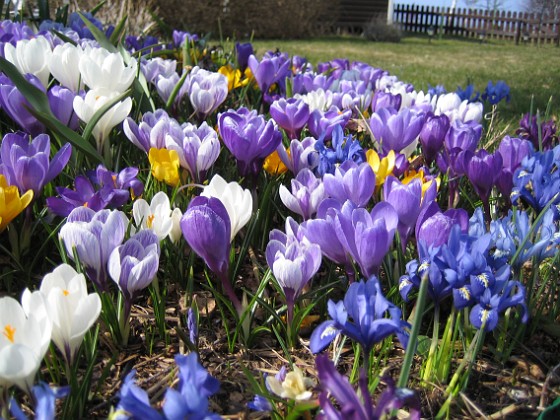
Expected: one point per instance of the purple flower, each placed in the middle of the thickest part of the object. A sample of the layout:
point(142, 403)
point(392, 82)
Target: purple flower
point(359, 405)
point(153, 130)
point(432, 135)
point(61, 101)
point(396, 130)
point(433, 226)
point(249, 137)
point(207, 91)
point(242, 53)
point(351, 182)
point(482, 170)
point(117, 188)
point(180, 37)
point(366, 236)
point(292, 260)
point(385, 100)
point(307, 193)
point(513, 151)
point(84, 195)
point(134, 264)
point(302, 155)
point(94, 236)
point(165, 86)
point(14, 104)
point(28, 165)
point(154, 67)
point(198, 149)
point(374, 318)
point(290, 114)
point(464, 136)
point(529, 129)
point(273, 68)
point(323, 124)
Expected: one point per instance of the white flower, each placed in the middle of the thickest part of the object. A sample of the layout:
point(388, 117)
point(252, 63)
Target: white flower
point(106, 71)
point(155, 216)
point(86, 107)
point(447, 103)
point(24, 340)
point(294, 386)
point(63, 65)
point(237, 201)
point(69, 306)
point(175, 233)
point(31, 56)
point(318, 99)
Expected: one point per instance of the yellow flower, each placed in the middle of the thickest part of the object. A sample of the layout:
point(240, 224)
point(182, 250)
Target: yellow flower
point(273, 165)
point(11, 204)
point(426, 181)
point(165, 165)
point(382, 167)
point(235, 77)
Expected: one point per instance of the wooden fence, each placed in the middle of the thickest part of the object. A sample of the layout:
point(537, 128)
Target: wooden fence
point(480, 24)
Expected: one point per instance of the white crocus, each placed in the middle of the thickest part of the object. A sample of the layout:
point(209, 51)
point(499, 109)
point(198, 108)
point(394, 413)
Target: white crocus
point(24, 340)
point(85, 109)
point(176, 233)
point(155, 216)
point(448, 104)
point(64, 64)
point(294, 386)
point(103, 70)
point(31, 56)
point(71, 309)
point(237, 201)
point(318, 99)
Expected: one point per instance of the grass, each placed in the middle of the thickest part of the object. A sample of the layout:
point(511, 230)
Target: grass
point(529, 70)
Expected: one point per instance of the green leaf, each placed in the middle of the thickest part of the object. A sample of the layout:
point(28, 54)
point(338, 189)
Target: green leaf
point(118, 31)
point(98, 7)
point(98, 34)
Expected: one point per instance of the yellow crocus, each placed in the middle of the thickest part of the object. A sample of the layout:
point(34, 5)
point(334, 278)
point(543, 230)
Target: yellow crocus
point(165, 165)
point(11, 204)
point(426, 181)
point(235, 77)
point(382, 167)
point(274, 165)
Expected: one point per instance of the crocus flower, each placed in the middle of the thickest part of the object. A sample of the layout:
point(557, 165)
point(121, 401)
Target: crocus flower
point(83, 194)
point(61, 101)
point(385, 100)
point(27, 164)
point(235, 78)
point(366, 236)
point(175, 234)
point(24, 340)
point(529, 129)
point(45, 402)
point(351, 182)
point(134, 265)
point(64, 66)
point(301, 154)
point(106, 72)
point(15, 105)
point(165, 165)
point(94, 100)
point(273, 164)
point(382, 166)
point(374, 318)
point(293, 261)
point(154, 67)
point(155, 216)
point(396, 130)
point(153, 130)
point(93, 236)
point(242, 54)
point(294, 385)
point(322, 125)
point(432, 135)
point(31, 56)
point(71, 309)
point(11, 204)
point(307, 192)
point(117, 188)
point(198, 148)
point(495, 93)
point(290, 114)
point(249, 138)
point(433, 226)
point(513, 150)
point(237, 200)
point(359, 404)
point(165, 85)
point(207, 91)
point(273, 68)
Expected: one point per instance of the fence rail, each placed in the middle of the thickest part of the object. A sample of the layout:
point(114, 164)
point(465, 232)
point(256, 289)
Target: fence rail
point(481, 24)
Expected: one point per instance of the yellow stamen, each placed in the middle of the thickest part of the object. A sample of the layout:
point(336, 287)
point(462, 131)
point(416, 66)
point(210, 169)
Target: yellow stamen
point(65, 292)
point(9, 332)
point(150, 220)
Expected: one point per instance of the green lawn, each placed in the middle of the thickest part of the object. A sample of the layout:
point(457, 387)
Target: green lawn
point(529, 70)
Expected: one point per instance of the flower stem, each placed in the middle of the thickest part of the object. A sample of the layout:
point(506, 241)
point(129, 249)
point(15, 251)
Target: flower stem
point(430, 362)
point(412, 341)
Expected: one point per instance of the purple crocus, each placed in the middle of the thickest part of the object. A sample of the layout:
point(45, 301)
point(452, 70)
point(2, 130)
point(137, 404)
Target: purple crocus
point(323, 124)
point(359, 405)
point(242, 54)
point(302, 155)
point(307, 193)
point(433, 226)
point(249, 137)
point(154, 67)
point(15, 105)
point(207, 91)
point(93, 237)
point(134, 264)
point(84, 194)
point(351, 182)
point(396, 130)
point(293, 261)
point(374, 318)
point(513, 150)
point(290, 114)
point(385, 100)
point(206, 227)
point(27, 164)
point(541, 133)
point(432, 135)
point(198, 148)
point(273, 68)
point(61, 101)
point(153, 130)
point(367, 236)
point(117, 188)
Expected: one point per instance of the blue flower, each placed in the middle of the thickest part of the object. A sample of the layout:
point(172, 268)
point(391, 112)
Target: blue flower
point(495, 93)
point(468, 94)
point(260, 403)
point(45, 397)
point(374, 318)
point(134, 402)
point(342, 148)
